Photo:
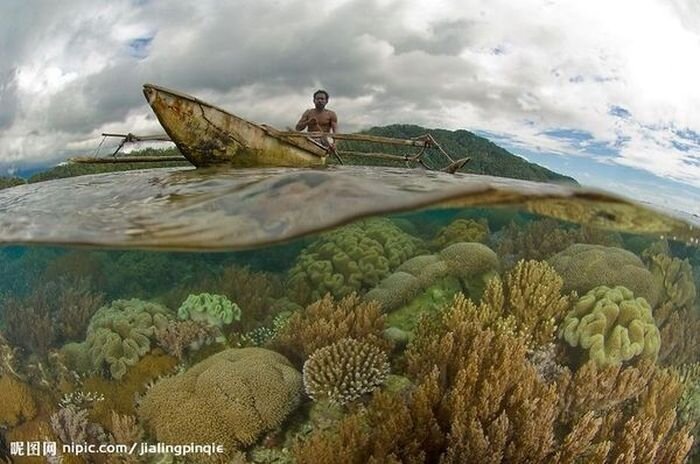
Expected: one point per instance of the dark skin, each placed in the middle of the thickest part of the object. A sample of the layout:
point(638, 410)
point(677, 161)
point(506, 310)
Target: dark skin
point(318, 119)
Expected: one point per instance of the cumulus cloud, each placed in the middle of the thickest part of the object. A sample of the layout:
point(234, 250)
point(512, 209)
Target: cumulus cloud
point(619, 76)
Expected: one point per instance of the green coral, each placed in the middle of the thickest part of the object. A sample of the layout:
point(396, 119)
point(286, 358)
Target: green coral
point(584, 267)
point(427, 282)
point(462, 230)
point(353, 258)
point(118, 336)
point(613, 326)
point(214, 310)
point(675, 278)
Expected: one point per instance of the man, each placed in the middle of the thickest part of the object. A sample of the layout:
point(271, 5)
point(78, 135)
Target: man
point(319, 119)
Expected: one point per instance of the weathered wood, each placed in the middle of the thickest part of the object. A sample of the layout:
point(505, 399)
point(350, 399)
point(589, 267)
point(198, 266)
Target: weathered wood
point(124, 159)
point(359, 138)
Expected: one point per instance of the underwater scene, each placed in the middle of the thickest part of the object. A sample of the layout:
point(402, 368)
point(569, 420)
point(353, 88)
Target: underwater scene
point(481, 328)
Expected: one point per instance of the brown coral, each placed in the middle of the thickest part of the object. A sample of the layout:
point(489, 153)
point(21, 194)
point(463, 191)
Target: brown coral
point(532, 295)
point(17, 403)
point(462, 230)
point(231, 398)
point(327, 321)
point(344, 371)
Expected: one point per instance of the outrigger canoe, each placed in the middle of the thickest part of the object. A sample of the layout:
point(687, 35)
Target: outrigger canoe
point(207, 135)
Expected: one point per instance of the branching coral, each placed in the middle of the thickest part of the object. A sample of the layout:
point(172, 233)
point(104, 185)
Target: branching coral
point(230, 398)
point(538, 239)
point(344, 371)
point(328, 321)
point(77, 303)
point(177, 337)
point(613, 326)
point(351, 259)
point(478, 399)
point(532, 295)
point(17, 403)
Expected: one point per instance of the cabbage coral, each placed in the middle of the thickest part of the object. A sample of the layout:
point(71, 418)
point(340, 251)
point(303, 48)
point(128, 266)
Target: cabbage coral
point(613, 326)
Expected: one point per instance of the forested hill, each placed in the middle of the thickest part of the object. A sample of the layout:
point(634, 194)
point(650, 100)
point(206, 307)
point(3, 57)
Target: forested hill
point(486, 157)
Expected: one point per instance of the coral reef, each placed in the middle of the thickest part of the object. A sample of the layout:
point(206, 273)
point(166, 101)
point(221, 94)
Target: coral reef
point(77, 303)
point(328, 321)
point(478, 399)
point(532, 298)
point(177, 337)
point(344, 371)
point(613, 326)
point(471, 265)
point(118, 336)
point(17, 403)
point(675, 279)
point(461, 230)
point(214, 310)
point(584, 267)
point(231, 398)
point(353, 258)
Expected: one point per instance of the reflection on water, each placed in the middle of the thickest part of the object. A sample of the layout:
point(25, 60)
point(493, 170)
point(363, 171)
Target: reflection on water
point(347, 315)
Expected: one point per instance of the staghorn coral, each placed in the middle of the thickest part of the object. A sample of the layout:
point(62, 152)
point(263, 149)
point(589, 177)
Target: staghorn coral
point(344, 371)
point(17, 403)
point(231, 398)
point(532, 295)
point(125, 430)
point(613, 326)
point(584, 267)
point(462, 230)
point(351, 259)
point(214, 310)
point(328, 321)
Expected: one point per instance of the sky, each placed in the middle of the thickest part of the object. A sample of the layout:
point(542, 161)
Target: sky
point(604, 91)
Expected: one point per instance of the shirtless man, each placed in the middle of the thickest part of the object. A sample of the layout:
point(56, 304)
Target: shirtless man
point(319, 119)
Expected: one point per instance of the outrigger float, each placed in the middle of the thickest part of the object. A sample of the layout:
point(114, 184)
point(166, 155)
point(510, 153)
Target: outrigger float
point(207, 135)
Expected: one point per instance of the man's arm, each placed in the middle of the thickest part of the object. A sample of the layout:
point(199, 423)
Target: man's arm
point(334, 122)
point(303, 121)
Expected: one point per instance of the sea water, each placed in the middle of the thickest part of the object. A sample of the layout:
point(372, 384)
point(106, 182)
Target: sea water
point(343, 315)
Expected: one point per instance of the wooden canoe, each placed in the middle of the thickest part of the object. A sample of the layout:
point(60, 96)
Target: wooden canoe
point(208, 135)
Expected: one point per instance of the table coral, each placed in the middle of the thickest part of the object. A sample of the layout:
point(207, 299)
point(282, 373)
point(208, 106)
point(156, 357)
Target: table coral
point(231, 398)
point(613, 326)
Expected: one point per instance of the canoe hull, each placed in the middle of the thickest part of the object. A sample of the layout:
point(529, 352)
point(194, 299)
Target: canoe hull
point(207, 135)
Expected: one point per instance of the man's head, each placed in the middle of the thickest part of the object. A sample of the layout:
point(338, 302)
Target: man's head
point(320, 99)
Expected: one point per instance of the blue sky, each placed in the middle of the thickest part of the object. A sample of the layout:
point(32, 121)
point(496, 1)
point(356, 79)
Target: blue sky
point(603, 91)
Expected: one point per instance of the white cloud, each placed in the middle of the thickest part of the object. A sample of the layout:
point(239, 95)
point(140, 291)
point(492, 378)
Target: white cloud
point(521, 68)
